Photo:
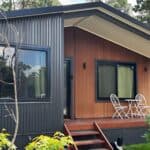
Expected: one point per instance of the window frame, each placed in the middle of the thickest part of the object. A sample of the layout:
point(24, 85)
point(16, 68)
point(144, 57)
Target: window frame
point(47, 50)
point(115, 64)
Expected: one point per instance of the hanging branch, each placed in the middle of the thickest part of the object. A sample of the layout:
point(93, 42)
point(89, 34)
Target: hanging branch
point(14, 116)
point(5, 82)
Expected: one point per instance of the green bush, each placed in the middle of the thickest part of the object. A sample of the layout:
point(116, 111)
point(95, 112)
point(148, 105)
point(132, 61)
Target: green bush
point(144, 146)
point(147, 134)
point(58, 142)
point(5, 143)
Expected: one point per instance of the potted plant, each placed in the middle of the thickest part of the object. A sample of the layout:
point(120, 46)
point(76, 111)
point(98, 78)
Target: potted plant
point(57, 142)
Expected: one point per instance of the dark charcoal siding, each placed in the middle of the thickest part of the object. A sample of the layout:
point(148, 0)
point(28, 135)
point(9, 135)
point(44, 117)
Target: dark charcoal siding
point(129, 135)
point(43, 117)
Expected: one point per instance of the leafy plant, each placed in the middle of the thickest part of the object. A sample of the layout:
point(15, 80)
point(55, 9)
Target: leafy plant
point(5, 142)
point(58, 142)
point(147, 134)
point(143, 146)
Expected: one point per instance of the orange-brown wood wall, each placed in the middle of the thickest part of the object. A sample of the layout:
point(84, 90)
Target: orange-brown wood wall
point(84, 47)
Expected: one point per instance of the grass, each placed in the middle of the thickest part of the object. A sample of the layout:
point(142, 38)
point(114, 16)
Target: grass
point(143, 146)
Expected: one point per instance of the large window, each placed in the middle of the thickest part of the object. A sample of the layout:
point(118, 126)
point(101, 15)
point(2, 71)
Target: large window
point(33, 80)
point(32, 74)
point(114, 77)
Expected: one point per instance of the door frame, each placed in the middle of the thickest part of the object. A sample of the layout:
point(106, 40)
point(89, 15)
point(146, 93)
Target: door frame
point(71, 105)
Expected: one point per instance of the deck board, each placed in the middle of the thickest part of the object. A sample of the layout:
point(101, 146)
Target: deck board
point(106, 123)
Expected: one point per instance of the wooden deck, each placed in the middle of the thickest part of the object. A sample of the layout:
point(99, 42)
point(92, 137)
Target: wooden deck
point(107, 123)
point(110, 128)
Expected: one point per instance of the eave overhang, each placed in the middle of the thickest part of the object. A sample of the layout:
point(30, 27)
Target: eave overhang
point(110, 26)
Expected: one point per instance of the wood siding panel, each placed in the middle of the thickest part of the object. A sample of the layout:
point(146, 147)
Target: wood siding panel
point(84, 47)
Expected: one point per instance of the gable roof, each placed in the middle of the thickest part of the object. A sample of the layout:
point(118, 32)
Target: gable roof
point(108, 19)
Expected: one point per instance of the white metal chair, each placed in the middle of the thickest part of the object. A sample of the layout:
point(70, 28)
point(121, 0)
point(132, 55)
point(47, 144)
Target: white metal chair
point(119, 109)
point(143, 108)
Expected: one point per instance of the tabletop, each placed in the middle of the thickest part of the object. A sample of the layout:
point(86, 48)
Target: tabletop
point(131, 100)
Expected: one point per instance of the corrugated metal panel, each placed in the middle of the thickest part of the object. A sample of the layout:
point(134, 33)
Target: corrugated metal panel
point(36, 118)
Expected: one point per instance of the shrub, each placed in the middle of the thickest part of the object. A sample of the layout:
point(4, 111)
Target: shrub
point(58, 142)
point(5, 143)
point(147, 134)
point(144, 146)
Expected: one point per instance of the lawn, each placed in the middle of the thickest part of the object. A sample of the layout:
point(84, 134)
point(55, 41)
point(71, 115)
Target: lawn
point(144, 146)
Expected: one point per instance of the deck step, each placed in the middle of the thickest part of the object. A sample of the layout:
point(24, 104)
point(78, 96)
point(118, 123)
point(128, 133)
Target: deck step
point(84, 133)
point(89, 142)
point(87, 136)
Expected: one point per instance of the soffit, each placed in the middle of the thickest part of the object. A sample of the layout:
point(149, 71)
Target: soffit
point(111, 32)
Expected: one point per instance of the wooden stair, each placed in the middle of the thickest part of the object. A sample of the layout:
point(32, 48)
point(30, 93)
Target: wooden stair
point(87, 137)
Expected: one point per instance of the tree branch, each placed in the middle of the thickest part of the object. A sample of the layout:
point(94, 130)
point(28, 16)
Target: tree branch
point(4, 82)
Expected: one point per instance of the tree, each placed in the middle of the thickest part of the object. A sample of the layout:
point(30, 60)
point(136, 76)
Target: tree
point(143, 10)
point(8, 5)
point(8, 64)
point(122, 5)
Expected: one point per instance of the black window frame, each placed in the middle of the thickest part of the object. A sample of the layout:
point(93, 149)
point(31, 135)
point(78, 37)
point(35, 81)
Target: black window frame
point(29, 47)
point(115, 64)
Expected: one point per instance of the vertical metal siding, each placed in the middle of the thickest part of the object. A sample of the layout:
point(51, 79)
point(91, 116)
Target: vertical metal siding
point(36, 118)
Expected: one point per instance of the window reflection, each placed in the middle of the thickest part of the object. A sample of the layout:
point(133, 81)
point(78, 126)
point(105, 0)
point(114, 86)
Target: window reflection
point(6, 90)
point(32, 73)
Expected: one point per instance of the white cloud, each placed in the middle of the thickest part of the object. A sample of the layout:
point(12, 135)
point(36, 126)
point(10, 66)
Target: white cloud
point(132, 2)
point(68, 2)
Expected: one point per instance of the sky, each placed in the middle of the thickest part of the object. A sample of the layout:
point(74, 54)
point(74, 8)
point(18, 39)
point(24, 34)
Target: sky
point(67, 2)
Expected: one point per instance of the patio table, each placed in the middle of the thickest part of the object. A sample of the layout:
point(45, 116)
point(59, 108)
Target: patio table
point(133, 109)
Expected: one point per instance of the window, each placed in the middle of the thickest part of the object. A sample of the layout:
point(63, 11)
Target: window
point(118, 78)
point(32, 74)
point(6, 90)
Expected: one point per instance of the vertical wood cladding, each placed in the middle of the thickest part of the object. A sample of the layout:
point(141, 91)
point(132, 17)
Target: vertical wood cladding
point(85, 47)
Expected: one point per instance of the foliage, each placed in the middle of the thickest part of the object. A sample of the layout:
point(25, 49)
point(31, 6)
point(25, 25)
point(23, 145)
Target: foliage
point(120, 4)
point(8, 5)
point(143, 10)
point(144, 146)
point(4, 141)
point(147, 134)
point(58, 142)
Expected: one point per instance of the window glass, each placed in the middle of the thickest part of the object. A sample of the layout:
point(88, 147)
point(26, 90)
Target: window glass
point(125, 81)
point(106, 80)
point(6, 90)
point(32, 74)
point(117, 78)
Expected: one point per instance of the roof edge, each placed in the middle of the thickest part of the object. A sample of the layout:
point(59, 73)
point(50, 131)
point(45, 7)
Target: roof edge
point(62, 9)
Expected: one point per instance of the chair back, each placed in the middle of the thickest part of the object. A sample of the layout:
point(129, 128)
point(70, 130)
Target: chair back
point(141, 99)
point(115, 100)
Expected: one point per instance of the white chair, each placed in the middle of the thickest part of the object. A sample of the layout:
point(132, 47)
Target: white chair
point(143, 108)
point(119, 109)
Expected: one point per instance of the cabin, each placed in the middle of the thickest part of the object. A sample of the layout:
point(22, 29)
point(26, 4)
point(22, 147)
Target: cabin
point(70, 59)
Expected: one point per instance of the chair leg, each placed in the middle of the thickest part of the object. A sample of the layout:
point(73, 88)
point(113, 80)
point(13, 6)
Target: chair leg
point(125, 114)
point(114, 115)
point(118, 113)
